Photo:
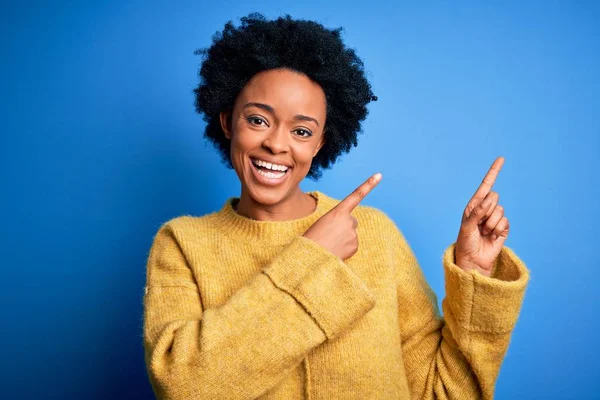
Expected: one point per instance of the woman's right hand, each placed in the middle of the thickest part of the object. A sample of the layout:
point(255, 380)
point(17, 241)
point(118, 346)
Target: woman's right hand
point(336, 230)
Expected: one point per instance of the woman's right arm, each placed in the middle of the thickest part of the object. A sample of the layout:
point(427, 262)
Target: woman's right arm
point(244, 347)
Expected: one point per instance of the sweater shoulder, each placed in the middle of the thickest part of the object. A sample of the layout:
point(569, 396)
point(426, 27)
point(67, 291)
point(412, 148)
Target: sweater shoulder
point(188, 227)
point(188, 221)
point(370, 216)
point(374, 215)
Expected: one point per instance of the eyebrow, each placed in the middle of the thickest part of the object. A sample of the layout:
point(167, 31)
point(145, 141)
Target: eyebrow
point(266, 107)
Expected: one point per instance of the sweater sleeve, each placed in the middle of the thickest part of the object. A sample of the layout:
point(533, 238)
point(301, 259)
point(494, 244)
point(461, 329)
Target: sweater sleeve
point(244, 347)
point(457, 356)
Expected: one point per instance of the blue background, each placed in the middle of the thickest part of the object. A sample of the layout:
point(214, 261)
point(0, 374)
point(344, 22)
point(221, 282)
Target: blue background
point(101, 144)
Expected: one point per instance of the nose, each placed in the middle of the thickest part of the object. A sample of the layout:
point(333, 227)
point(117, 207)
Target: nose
point(277, 140)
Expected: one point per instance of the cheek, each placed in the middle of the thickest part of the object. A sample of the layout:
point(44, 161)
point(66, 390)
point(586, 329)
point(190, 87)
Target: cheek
point(236, 154)
point(241, 143)
point(303, 157)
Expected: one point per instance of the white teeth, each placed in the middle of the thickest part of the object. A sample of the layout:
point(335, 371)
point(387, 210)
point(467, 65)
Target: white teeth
point(265, 164)
point(271, 175)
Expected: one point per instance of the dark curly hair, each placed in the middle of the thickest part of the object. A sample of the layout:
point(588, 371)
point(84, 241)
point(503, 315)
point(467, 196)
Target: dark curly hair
point(237, 54)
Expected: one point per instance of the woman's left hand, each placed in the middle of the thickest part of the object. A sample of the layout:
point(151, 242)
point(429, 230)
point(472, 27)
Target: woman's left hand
point(484, 227)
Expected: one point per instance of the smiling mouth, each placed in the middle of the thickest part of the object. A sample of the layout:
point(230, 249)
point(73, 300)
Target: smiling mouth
point(267, 170)
point(268, 174)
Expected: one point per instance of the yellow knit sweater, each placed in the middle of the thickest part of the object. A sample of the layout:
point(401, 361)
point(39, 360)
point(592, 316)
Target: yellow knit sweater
point(236, 308)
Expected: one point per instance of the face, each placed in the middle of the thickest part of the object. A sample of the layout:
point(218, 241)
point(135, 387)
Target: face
point(278, 118)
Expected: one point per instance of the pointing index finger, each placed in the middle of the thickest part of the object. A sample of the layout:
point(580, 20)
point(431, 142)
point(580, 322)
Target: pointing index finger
point(489, 179)
point(354, 198)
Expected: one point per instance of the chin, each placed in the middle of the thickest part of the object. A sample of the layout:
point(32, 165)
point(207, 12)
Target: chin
point(266, 197)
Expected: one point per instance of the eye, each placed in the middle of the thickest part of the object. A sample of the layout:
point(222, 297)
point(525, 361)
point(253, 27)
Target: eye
point(303, 132)
point(258, 121)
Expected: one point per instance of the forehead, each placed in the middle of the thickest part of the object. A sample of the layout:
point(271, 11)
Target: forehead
point(288, 92)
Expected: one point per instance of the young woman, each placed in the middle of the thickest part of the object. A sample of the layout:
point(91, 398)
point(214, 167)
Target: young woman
point(283, 294)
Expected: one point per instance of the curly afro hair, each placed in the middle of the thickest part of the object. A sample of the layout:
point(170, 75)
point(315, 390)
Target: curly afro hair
point(237, 54)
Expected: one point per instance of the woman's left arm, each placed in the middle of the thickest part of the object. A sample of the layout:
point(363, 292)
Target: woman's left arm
point(459, 355)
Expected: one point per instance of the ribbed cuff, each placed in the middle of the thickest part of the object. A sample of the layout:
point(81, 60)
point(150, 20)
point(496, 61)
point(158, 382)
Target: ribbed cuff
point(486, 304)
point(329, 291)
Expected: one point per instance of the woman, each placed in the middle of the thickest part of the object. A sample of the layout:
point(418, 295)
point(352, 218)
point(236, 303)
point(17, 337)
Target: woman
point(283, 294)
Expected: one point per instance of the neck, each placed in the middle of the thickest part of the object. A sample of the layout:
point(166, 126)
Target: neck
point(269, 233)
point(294, 206)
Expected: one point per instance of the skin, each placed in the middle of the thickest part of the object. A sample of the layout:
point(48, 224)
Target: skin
point(336, 230)
point(276, 132)
point(281, 115)
point(484, 227)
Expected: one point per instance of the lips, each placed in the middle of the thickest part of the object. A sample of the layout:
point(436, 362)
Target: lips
point(270, 161)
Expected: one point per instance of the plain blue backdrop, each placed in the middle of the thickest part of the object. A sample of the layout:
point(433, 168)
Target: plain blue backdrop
point(101, 145)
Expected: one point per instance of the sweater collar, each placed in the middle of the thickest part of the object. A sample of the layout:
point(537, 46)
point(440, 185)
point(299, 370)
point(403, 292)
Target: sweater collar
point(242, 228)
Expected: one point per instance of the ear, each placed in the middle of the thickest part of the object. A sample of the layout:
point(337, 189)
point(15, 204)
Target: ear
point(225, 118)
